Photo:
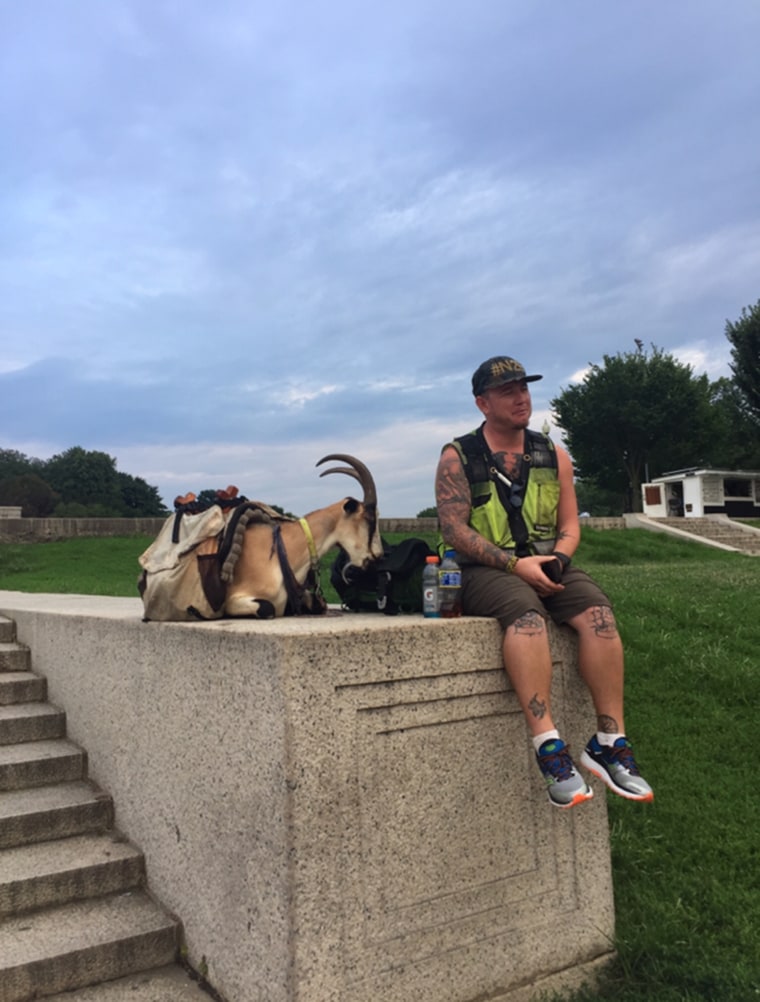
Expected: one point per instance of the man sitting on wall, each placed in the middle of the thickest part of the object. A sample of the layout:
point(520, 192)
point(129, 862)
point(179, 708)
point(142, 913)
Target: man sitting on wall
point(506, 503)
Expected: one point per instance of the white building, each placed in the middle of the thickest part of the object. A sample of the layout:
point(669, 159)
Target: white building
point(693, 493)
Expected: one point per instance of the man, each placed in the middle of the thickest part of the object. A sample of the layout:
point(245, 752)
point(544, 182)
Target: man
point(506, 504)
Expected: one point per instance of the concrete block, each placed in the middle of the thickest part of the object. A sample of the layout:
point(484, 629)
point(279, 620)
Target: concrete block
point(340, 809)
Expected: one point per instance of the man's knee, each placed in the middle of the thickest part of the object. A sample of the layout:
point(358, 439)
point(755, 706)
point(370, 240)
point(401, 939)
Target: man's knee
point(528, 624)
point(598, 620)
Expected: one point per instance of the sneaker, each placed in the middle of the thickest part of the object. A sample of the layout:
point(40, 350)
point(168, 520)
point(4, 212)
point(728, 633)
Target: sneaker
point(565, 785)
point(617, 767)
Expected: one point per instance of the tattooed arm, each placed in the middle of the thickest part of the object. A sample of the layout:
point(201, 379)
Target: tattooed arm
point(452, 495)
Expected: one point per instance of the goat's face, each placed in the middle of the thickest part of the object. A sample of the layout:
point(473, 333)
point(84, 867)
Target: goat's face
point(358, 533)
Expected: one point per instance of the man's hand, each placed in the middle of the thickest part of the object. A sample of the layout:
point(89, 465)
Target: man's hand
point(532, 570)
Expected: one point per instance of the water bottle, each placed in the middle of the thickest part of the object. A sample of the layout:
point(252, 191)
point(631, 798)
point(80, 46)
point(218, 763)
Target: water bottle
point(450, 586)
point(430, 591)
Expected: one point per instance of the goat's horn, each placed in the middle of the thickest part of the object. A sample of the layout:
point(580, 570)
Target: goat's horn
point(357, 470)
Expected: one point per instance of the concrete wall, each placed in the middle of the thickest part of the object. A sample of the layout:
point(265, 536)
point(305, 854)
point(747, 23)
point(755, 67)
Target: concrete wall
point(344, 808)
point(42, 530)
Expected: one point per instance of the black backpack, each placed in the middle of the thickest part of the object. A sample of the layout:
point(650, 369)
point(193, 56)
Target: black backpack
point(391, 585)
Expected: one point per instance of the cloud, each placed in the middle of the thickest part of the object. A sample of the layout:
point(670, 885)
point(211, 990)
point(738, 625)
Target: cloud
point(300, 231)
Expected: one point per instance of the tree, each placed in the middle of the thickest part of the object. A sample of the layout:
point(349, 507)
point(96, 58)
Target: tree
point(87, 478)
point(428, 513)
point(744, 336)
point(737, 443)
point(638, 414)
point(14, 464)
point(598, 502)
point(139, 499)
point(36, 498)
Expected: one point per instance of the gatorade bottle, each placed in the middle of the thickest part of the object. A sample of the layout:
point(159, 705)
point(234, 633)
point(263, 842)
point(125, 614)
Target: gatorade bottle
point(430, 592)
point(450, 586)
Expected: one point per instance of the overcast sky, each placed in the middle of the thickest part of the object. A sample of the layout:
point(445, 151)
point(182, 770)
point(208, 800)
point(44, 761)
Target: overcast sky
point(237, 236)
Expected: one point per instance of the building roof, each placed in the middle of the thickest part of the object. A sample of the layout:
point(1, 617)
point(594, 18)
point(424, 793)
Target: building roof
point(694, 472)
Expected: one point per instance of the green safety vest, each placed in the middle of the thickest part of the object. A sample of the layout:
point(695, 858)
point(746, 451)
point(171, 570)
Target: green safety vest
point(536, 519)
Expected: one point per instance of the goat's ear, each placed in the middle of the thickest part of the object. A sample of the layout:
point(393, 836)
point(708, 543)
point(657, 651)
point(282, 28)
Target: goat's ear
point(350, 505)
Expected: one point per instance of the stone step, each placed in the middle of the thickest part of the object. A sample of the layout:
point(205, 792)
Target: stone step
point(167, 984)
point(58, 949)
point(21, 687)
point(70, 869)
point(15, 657)
point(40, 763)
point(7, 630)
point(20, 722)
point(53, 812)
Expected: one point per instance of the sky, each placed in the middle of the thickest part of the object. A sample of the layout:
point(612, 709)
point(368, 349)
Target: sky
point(239, 236)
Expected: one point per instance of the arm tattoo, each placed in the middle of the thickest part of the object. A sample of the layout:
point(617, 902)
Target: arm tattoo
point(537, 707)
point(603, 622)
point(452, 493)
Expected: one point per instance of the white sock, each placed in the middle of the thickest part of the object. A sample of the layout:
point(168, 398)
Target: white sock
point(539, 739)
point(608, 739)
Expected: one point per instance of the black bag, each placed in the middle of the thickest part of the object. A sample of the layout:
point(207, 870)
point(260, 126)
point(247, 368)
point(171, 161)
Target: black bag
point(391, 585)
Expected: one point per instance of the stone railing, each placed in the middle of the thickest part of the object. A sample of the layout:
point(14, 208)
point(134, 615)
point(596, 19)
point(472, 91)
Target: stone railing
point(40, 530)
point(341, 808)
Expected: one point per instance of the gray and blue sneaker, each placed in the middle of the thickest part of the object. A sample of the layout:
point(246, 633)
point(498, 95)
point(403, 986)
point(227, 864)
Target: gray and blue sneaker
point(616, 766)
point(565, 786)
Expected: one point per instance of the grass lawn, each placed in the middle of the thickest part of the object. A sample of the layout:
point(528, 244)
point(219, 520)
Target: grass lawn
point(687, 867)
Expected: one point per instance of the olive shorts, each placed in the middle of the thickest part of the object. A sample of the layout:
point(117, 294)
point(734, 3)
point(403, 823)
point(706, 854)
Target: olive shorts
point(488, 591)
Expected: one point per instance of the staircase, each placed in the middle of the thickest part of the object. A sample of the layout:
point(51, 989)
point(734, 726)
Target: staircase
point(718, 530)
point(74, 907)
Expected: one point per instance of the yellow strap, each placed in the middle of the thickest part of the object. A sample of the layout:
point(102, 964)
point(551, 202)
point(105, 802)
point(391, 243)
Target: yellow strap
point(310, 540)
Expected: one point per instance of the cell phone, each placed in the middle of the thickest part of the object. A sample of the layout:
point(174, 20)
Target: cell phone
point(553, 570)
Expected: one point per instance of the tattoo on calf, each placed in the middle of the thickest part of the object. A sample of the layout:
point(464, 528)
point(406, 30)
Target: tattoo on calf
point(606, 725)
point(603, 622)
point(537, 707)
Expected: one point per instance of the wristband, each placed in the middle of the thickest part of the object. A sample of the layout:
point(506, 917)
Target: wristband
point(563, 559)
point(511, 564)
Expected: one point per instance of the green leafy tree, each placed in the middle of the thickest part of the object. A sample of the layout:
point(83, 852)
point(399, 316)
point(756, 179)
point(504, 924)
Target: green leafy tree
point(36, 498)
point(744, 336)
point(428, 513)
point(207, 496)
point(639, 413)
point(14, 464)
point(86, 478)
point(736, 445)
point(138, 498)
point(598, 502)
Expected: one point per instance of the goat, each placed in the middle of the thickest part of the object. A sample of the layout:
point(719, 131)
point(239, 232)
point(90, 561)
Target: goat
point(258, 588)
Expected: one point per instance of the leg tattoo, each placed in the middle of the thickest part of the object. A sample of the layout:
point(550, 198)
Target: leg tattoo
point(537, 707)
point(530, 623)
point(603, 622)
point(606, 725)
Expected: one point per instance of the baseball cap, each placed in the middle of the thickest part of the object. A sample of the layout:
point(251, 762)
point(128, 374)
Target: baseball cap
point(496, 371)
